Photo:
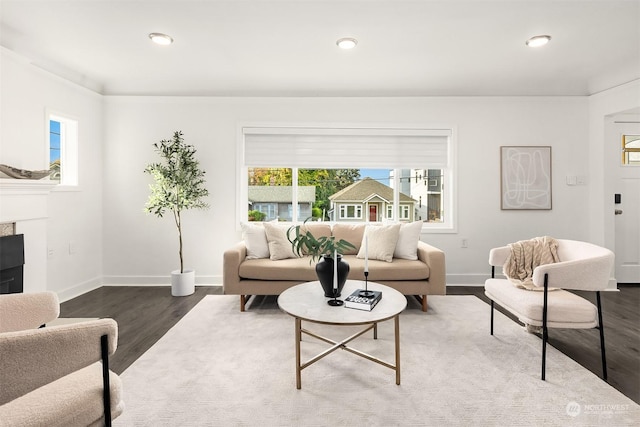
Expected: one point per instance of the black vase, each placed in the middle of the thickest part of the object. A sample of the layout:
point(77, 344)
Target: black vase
point(324, 270)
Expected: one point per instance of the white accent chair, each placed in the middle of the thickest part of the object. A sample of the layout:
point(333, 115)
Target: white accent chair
point(582, 266)
point(55, 375)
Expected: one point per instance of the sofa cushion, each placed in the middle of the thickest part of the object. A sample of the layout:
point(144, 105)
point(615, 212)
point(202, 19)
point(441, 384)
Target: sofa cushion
point(285, 269)
point(279, 245)
point(352, 233)
point(380, 242)
point(565, 309)
point(399, 269)
point(255, 239)
point(299, 269)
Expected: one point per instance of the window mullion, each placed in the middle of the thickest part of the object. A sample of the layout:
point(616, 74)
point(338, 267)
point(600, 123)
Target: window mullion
point(294, 196)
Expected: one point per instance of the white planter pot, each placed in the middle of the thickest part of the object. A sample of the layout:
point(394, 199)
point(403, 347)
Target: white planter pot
point(183, 284)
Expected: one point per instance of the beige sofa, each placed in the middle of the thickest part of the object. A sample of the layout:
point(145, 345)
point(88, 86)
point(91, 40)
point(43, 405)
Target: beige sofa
point(245, 275)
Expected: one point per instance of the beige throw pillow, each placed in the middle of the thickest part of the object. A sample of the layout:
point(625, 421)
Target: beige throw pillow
point(380, 242)
point(279, 245)
point(255, 240)
point(407, 246)
point(352, 233)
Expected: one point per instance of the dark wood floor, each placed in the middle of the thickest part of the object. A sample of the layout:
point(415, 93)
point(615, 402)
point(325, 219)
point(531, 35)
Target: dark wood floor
point(144, 314)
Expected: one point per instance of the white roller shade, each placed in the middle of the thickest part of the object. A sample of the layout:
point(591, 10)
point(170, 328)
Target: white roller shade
point(346, 147)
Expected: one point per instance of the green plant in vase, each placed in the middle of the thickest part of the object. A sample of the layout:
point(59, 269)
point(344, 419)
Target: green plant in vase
point(322, 250)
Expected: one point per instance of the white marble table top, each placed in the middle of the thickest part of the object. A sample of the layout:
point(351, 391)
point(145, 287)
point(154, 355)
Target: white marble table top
point(307, 302)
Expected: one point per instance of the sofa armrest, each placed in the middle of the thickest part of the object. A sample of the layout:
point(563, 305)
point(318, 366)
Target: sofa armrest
point(35, 357)
point(28, 310)
point(232, 258)
point(434, 258)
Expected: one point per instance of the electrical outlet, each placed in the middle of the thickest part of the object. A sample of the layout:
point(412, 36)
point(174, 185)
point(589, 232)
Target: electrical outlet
point(50, 253)
point(464, 243)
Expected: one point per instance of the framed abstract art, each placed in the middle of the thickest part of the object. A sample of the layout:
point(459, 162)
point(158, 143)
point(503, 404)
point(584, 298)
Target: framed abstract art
point(525, 173)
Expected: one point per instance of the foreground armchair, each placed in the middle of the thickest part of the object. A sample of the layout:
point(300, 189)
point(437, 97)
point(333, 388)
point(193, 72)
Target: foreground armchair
point(58, 375)
point(582, 266)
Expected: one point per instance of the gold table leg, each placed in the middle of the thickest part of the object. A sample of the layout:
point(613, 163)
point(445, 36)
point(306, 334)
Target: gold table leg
point(396, 321)
point(298, 339)
point(343, 345)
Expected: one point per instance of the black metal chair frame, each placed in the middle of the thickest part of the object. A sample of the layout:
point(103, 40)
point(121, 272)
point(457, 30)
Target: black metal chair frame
point(545, 333)
point(104, 346)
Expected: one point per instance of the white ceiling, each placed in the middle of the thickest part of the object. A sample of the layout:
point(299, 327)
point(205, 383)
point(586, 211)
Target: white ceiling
point(287, 48)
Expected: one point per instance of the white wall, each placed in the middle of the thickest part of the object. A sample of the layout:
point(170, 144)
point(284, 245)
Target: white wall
point(74, 216)
point(142, 249)
point(116, 242)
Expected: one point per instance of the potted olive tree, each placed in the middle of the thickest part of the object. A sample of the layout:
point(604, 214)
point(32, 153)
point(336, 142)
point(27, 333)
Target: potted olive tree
point(178, 185)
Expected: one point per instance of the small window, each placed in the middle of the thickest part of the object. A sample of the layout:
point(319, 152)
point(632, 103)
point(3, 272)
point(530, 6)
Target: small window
point(350, 212)
point(63, 149)
point(631, 150)
point(54, 150)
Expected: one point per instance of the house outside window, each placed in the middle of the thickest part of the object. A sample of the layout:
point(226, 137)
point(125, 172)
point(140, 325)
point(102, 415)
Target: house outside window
point(275, 201)
point(62, 149)
point(269, 209)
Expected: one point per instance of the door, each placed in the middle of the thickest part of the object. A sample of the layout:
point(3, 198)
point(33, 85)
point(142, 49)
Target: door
point(373, 213)
point(627, 212)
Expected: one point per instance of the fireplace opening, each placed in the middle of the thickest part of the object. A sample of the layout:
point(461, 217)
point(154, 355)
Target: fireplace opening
point(11, 264)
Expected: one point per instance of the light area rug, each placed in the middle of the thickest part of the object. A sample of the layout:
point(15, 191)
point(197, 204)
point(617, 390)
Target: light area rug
point(221, 367)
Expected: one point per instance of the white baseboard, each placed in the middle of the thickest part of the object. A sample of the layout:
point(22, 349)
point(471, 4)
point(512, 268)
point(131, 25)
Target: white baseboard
point(156, 280)
point(466, 279)
point(79, 289)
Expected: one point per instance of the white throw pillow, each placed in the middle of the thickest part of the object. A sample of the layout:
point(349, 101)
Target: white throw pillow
point(380, 242)
point(279, 245)
point(407, 246)
point(255, 239)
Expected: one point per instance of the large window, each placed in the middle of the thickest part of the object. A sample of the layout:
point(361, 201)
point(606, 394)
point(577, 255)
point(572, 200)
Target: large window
point(347, 174)
point(62, 142)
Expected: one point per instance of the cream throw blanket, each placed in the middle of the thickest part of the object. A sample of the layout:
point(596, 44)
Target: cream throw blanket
point(527, 255)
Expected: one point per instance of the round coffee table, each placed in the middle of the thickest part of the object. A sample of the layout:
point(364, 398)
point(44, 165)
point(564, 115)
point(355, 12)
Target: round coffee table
point(307, 302)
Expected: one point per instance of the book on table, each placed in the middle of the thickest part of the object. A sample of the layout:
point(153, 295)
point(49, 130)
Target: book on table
point(362, 303)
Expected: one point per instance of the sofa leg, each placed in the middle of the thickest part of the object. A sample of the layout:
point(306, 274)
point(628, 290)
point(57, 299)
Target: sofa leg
point(422, 299)
point(242, 302)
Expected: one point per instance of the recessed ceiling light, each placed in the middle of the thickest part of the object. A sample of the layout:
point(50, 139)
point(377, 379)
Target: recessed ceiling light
point(347, 43)
point(160, 38)
point(538, 41)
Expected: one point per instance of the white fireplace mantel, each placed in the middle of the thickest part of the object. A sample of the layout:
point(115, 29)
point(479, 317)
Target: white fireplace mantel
point(26, 186)
point(25, 202)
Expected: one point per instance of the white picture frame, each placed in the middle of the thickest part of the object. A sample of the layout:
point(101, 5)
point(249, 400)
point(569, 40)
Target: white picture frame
point(525, 173)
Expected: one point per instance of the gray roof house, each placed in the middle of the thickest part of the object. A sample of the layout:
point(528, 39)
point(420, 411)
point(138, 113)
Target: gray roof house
point(369, 201)
point(276, 201)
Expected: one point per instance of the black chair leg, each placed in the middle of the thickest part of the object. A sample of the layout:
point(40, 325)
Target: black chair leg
point(601, 328)
point(544, 327)
point(491, 317)
point(104, 343)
